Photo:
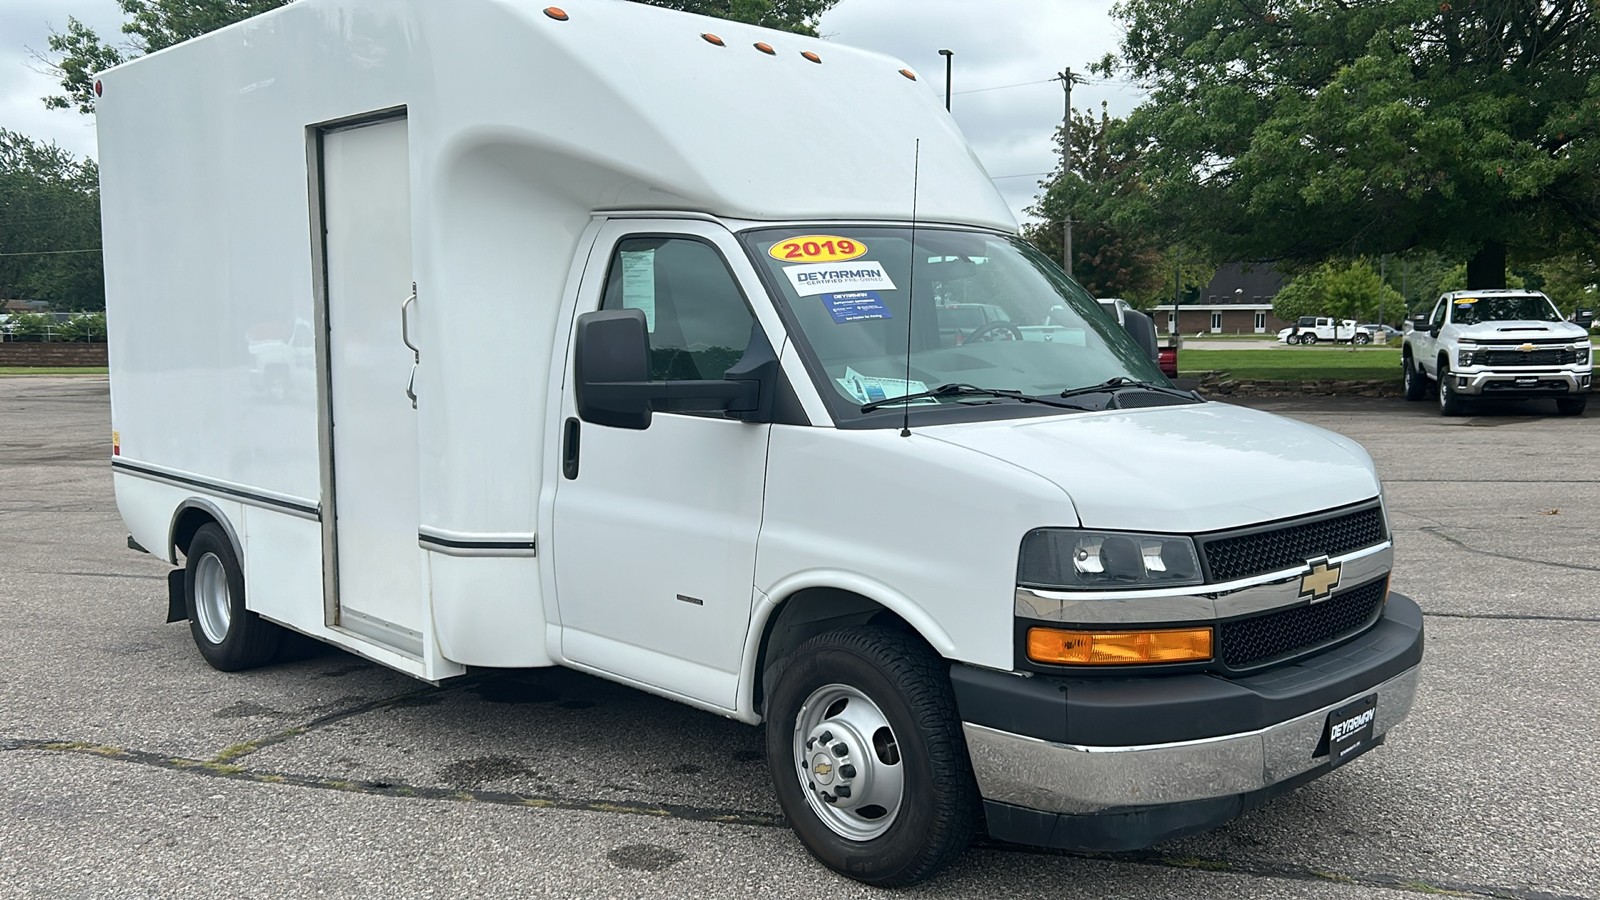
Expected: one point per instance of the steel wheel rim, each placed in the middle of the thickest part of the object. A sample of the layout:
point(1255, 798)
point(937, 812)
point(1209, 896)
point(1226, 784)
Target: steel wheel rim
point(213, 602)
point(866, 780)
point(1444, 388)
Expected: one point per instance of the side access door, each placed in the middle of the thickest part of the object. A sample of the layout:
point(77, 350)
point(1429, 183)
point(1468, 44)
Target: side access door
point(654, 533)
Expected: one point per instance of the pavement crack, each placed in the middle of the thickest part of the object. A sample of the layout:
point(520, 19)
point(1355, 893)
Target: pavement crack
point(1458, 543)
point(1513, 617)
point(1152, 858)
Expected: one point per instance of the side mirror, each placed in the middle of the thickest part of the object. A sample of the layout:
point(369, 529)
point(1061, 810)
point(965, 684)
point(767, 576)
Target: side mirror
point(1433, 331)
point(611, 375)
point(1583, 318)
point(1420, 320)
point(1142, 329)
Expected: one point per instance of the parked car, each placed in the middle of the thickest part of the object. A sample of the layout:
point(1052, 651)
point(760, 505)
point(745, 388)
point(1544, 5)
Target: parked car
point(1505, 344)
point(1380, 333)
point(1314, 329)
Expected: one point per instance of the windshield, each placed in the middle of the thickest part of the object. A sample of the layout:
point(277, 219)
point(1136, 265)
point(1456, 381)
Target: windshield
point(1528, 307)
point(990, 312)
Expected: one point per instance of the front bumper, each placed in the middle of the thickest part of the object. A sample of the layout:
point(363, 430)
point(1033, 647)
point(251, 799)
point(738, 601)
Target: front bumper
point(1123, 763)
point(1522, 385)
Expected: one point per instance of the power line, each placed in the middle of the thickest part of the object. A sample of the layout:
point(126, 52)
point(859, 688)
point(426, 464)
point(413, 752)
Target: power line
point(1002, 87)
point(51, 252)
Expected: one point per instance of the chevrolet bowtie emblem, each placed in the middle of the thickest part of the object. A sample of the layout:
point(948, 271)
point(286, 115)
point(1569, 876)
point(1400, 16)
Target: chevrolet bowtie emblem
point(822, 769)
point(1320, 581)
point(1526, 348)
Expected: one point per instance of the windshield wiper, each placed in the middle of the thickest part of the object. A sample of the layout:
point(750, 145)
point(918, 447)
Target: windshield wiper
point(956, 389)
point(1122, 382)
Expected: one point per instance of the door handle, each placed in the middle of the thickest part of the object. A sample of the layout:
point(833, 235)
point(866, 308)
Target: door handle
point(405, 337)
point(569, 449)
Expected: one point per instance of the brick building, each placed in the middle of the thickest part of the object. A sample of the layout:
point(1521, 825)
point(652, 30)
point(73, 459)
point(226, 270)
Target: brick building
point(1237, 301)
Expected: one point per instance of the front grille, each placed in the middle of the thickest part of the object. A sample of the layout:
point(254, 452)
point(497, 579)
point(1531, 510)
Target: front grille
point(1275, 636)
point(1546, 357)
point(1286, 546)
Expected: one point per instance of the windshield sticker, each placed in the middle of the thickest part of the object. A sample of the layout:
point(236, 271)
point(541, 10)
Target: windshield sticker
point(828, 278)
point(857, 306)
point(813, 248)
point(639, 284)
point(1466, 301)
point(869, 388)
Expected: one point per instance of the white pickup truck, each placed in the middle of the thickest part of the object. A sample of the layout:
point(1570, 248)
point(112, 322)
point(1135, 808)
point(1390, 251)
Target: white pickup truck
point(1312, 329)
point(1507, 344)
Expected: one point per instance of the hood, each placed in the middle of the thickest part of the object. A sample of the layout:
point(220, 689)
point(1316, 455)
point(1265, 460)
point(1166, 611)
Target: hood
point(1181, 468)
point(1522, 331)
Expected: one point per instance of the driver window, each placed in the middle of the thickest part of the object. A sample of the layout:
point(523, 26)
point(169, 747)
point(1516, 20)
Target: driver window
point(697, 317)
point(1439, 310)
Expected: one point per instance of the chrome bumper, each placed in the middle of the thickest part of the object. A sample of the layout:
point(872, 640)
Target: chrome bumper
point(1475, 382)
point(1066, 778)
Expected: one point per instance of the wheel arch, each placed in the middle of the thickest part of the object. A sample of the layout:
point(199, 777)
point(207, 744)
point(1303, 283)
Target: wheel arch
point(804, 608)
point(190, 516)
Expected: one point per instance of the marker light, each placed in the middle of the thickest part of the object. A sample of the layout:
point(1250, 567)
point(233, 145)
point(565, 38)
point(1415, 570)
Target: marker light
point(766, 48)
point(713, 39)
point(97, 87)
point(556, 12)
point(1118, 648)
point(909, 74)
point(811, 56)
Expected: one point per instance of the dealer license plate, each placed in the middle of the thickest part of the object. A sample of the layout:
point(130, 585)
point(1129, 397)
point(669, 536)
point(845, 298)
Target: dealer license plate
point(1350, 729)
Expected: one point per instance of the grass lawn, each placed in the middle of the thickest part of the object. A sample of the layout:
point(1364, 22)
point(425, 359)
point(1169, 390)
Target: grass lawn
point(1295, 363)
point(46, 370)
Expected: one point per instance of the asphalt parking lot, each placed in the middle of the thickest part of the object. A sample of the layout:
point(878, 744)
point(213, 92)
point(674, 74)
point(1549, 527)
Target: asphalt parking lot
point(128, 768)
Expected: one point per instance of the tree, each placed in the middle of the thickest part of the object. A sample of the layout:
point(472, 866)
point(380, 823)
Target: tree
point(152, 25)
point(49, 225)
point(1343, 289)
point(1113, 253)
point(1300, 130)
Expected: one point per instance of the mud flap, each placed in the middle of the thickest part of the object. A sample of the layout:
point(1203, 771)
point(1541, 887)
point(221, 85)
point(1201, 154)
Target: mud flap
point(177, 609)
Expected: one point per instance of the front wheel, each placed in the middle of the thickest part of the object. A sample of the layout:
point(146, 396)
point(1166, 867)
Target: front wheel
point(1450, 402)
point(1572, 406)
point(229, 636)
point(868, 758)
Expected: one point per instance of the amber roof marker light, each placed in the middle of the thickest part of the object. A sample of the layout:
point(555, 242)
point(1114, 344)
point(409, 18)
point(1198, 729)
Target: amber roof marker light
point(909, 74)
point(556, 12)
point(713, 39)
point(765, 48)
point(812, 56)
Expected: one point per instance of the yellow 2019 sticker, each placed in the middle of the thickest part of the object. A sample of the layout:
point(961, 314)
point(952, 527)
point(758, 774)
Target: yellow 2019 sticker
point(1466, 301)
point(812, 248)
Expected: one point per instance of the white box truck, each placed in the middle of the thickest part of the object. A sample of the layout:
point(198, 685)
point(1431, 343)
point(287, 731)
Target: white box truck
point(625, 355)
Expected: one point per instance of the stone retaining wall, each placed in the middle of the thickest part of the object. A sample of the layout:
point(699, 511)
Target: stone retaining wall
point(51, 355)
point(1221, 384)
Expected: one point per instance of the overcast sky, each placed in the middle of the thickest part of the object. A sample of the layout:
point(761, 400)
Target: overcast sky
point(997, 44)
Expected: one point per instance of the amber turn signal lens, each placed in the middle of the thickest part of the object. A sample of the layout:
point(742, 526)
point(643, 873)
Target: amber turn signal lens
point(556, 12)
point(1118, 648)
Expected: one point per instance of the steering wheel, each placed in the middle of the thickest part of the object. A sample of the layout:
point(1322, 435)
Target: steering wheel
point(982, 331)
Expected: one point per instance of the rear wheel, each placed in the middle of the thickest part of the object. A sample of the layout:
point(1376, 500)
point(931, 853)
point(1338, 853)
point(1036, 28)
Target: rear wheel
point(867, 756)
point(229, 636)
point(1416, 382)
point(1363, 337)
point(1450, 402)
point(1308, 339)
point(1572, 406)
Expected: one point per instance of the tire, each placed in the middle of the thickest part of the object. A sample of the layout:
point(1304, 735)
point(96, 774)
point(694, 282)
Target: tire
point(229, 636)
point(1308, 339)
point(1415, 380)
point(1363, 338)
point(1450, 402)
point(1571, 406)
point(834, 690)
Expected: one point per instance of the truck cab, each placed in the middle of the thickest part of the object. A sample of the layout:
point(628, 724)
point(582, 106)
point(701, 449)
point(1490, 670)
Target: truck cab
point(1501, 344)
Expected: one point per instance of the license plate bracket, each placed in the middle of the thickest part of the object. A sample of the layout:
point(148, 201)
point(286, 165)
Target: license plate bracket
point(1350, 730)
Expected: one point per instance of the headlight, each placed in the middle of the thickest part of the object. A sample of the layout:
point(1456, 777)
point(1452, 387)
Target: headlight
point(1072, 560)
point(1582, 353)
point(1469, 356)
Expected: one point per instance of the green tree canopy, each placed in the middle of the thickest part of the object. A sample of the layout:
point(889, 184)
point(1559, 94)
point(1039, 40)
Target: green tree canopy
point(78, 53)
point(1343, 289)
point(1302, 130)
point(49, 225)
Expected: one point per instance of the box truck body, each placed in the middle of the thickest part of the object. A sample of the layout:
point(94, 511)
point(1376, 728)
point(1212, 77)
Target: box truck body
point(479, 334)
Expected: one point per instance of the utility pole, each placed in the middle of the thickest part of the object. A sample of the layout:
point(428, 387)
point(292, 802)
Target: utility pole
point(948, 56)
point(1066, 166)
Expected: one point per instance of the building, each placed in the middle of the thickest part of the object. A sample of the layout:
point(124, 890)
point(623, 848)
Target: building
point(1237, 301)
